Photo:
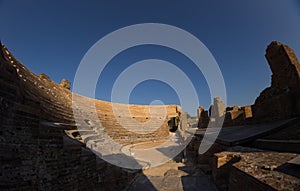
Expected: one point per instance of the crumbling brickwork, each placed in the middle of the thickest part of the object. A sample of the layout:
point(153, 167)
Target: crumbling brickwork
point(282, 99)
point(279, 101)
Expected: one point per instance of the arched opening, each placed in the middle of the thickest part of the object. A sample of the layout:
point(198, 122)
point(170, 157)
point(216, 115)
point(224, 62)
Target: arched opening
point(173, 123)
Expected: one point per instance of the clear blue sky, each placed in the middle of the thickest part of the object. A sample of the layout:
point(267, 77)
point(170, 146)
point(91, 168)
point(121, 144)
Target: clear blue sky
point(53, 36)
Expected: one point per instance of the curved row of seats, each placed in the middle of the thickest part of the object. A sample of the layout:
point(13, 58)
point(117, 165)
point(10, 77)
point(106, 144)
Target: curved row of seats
point(36, 154)
point(56, 106)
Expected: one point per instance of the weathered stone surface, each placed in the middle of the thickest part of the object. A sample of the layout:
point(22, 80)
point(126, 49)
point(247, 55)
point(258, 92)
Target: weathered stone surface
point(255, 169)
point(44, 76)
point(247, 111)
point(218, 108)
point(66, 84)
point(234, 115)
point(284, 65)
point(237, 115)
point(214, 116)
point(203, 118)
point(282, 99)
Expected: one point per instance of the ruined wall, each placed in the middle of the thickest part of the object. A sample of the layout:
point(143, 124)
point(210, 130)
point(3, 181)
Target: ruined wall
point(282, 99)
point(203, 117)
point(233, 115)
point(238, 115)
point(279, 101)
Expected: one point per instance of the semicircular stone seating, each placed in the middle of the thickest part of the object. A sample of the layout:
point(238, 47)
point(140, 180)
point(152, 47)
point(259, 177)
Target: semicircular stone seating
point(36, 118)
point(56, 106)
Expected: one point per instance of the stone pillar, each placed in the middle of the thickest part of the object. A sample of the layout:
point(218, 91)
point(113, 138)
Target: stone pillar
point(217, 113)
point(218, 108)
point(202, 117)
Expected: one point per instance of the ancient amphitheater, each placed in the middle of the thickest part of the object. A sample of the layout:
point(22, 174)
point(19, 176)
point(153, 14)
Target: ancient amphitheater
point(43, 147)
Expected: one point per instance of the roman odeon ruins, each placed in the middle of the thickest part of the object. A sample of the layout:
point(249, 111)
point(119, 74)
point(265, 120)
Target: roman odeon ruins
point(43, 148)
